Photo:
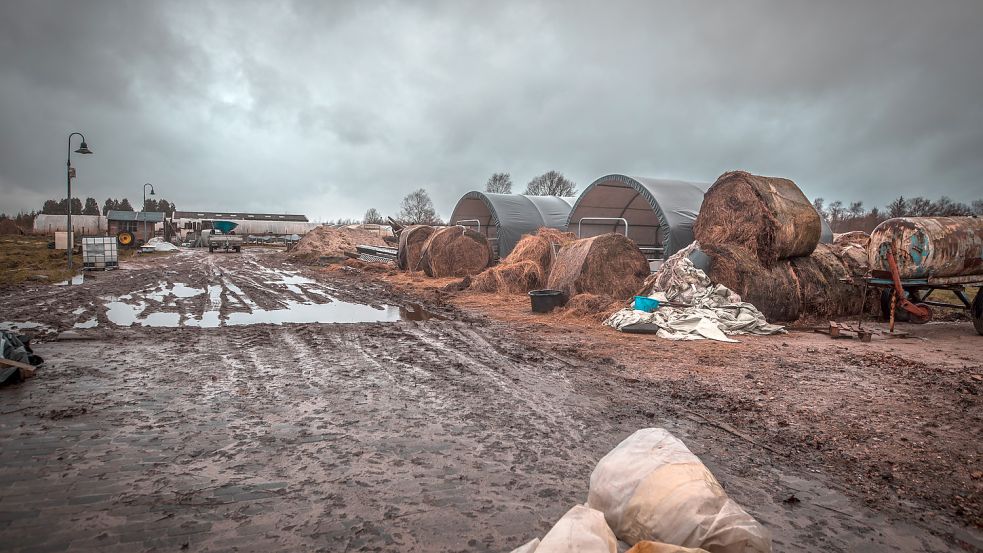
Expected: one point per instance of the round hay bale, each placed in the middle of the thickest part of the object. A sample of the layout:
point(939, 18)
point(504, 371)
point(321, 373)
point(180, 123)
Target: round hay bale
point(768, 216)
point(8, 226)
point(823, 292)
point(411, 241)
point(455, 251)
point(606, 264)
point(854, 257)
point(510, 278)
point(855, 237)
point(773, 290)
point(592, 306)
point(539, 247)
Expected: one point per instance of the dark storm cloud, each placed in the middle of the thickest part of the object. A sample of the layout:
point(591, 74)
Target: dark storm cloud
point(331, 108)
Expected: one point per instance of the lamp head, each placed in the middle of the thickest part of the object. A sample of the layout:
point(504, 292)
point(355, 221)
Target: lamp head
point(83, 149)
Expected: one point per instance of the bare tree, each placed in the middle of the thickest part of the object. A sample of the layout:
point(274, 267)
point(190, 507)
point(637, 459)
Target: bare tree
point(920, 207)
point(836, 212)
point(551, 183)
point(499, 183)
point(417, 209)
point(372, 217)
point(978, 207)
point(856, 210)
point(818, 204)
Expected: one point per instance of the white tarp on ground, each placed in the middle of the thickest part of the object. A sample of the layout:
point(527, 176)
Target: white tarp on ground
point(712, 311)
point(581, 529)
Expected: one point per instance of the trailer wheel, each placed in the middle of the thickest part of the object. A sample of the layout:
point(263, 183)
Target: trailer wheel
point(976, 312)
point(921, 320)
point(900, 315)
point(211, 249)
point(238, 249)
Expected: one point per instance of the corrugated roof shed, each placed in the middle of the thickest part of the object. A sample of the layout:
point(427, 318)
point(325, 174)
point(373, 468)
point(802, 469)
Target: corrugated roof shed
point(240, 216)
point(149, 216)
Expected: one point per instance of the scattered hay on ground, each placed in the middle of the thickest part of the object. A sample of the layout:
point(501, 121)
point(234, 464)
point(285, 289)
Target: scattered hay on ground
point(768, 216)
point(607, 264)
point(332, 244)
point(410, 249)
point(773, 290)
point(592, 306)
point(455, 251)
point(511, 278)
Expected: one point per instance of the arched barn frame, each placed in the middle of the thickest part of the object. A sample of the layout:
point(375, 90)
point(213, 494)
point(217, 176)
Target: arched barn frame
point(504, 218)
point(657, 214)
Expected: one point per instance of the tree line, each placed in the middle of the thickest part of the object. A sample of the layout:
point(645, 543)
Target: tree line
point(854, 216)
point(91, 206)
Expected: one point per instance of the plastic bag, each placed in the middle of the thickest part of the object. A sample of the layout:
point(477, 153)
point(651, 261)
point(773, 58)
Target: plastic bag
point(651, 487)
point(580, 530)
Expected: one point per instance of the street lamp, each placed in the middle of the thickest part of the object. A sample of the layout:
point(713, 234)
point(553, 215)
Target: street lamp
point(145, 208)
point(82, 149)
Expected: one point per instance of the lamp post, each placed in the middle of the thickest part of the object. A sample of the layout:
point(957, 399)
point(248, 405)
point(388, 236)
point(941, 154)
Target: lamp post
point(145, 208)
point(82, 149)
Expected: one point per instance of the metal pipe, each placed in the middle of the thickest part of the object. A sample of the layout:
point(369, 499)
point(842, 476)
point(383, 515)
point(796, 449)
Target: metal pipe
point(622, 219)
point(476, 221)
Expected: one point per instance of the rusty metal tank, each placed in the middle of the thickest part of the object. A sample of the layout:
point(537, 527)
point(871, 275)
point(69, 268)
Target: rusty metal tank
point(929, 247)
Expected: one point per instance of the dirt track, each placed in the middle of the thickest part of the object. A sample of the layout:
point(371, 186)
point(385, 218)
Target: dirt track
point(459, 434)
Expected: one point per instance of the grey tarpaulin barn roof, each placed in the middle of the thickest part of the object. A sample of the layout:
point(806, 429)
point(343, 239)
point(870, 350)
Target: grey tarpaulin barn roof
point(660, 213)
point(504, 218)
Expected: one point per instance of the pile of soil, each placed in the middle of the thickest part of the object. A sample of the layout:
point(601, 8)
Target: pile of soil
point(455, 251)
point(606, 264)
point(333, 244)
point(767, 216)
point(527, 266)
point(773, 290)
point(411, 241)
point(8, 226)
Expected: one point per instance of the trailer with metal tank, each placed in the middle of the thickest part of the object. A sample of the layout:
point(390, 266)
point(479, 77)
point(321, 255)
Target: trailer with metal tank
point(224, 238)
point(912, 257)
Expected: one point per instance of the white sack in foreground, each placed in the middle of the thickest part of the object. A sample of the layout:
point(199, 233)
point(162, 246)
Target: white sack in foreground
point(581, 530)
point(651, 487)
point(659, 547)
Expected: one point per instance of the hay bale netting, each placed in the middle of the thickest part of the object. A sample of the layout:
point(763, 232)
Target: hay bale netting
point(455, 251)
point(823, 292)
point(607, 264)
point(411, 241)
point(8, 226)
point(773, 290)
point(510, 278)
point(768, 216)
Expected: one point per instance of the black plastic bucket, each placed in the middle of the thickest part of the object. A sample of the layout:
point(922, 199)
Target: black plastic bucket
point(544, 301)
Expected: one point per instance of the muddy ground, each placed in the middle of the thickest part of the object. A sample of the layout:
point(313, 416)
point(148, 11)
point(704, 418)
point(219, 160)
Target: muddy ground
point(471, 431)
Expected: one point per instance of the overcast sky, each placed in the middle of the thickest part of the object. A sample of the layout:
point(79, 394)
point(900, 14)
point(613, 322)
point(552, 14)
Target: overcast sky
point(329, 108)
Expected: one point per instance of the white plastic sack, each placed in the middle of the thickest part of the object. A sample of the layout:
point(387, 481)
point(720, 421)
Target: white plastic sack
point(651, 487)
point(581, 530)
point(529, 547)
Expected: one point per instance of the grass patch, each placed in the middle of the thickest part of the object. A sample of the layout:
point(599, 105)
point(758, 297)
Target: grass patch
point(27, 258)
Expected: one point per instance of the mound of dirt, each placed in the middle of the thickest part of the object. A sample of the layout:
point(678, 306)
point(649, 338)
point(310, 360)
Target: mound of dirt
point(455, 251)
point(411, 241)
point(597, 307)
point(8, 226)
point(773, 290)
point(332, 244)
point(768, 216)
point(606, 264)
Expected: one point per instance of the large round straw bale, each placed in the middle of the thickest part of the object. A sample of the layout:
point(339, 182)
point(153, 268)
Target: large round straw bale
point(411, 241)
point(539, 247)
point(608, 264)
point(856, 237)
point(823, 292)
point(854, 257)
point(510, 278)
point(455, 251)
point(773, 290)
point(769, 216)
